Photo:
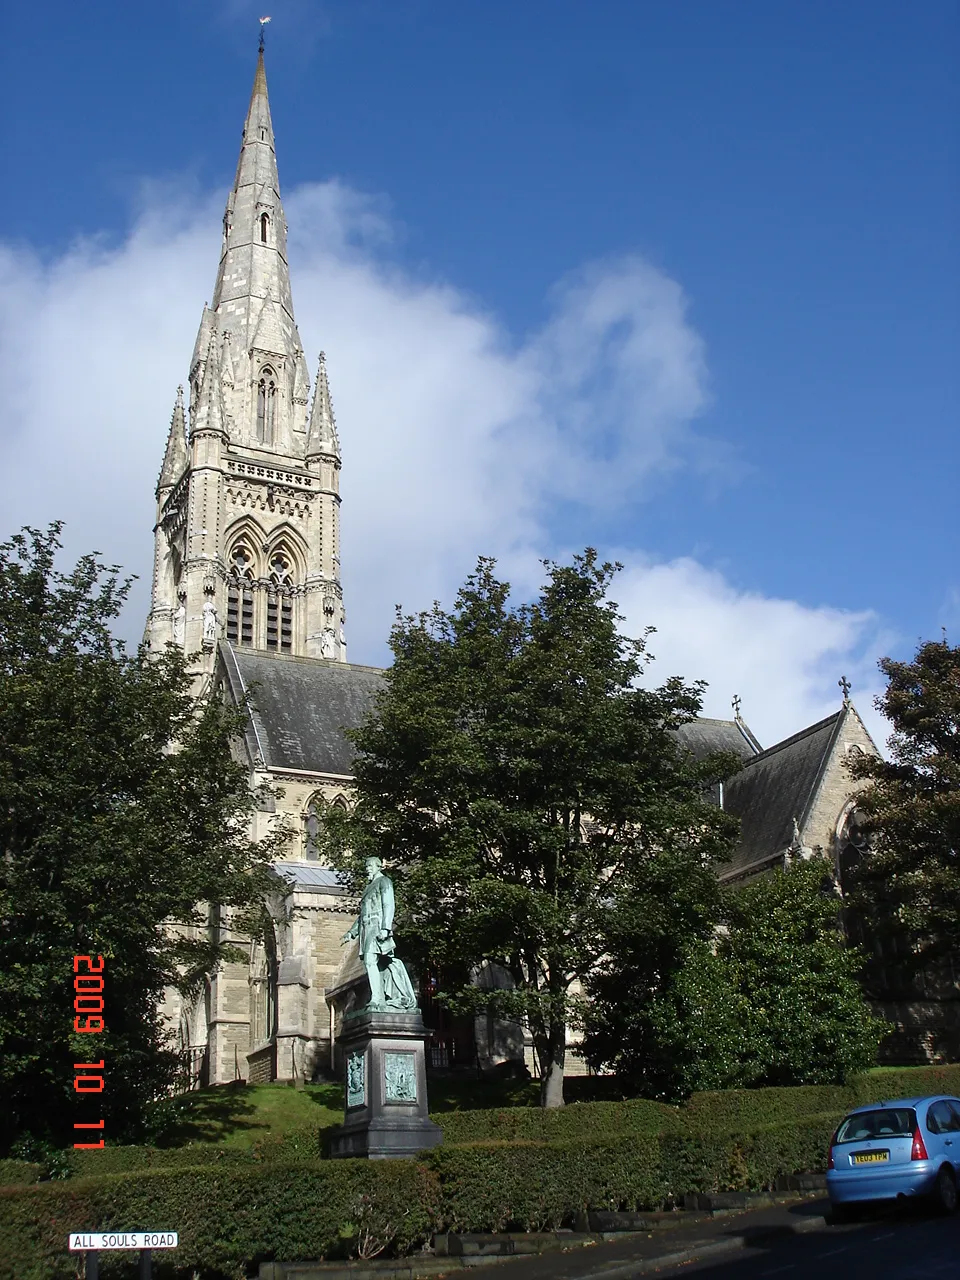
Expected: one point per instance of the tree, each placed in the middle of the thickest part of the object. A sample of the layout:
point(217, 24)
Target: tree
point(121, 807)
point(663, 1014)
point(908, 885)
point(804, 1016)
point(527, 795)
point(772, 998)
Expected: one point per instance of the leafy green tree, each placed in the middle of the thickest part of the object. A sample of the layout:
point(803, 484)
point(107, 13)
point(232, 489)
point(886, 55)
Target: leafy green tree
point(121, 807)
point(908, 884)
point(663, 1013)
point(804, 1016)
point(527, 795)
point(773, 999)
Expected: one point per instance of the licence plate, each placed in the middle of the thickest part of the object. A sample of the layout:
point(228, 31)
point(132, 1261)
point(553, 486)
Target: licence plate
point(870, 1157)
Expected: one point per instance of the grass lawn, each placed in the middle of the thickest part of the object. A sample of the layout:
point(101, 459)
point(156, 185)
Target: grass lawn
point(239, 1116)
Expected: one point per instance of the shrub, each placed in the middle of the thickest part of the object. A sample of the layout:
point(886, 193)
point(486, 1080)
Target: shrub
point(529, 1186)
point(229, 1218)
point(736, 1161)
point(579, 1120)
point(19, 1172)
point(134, 1159)
point(750, 1109)
point(904, 1082)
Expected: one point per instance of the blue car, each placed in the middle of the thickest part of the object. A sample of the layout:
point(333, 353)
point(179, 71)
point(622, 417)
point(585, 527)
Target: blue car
point(896, 1151)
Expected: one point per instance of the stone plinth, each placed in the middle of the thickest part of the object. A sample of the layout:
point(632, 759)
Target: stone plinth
point(386, 1114)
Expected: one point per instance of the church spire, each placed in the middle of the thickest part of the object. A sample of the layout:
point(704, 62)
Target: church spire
point(175, 457)
point(253, 262)
point(248, 505)
point(322, 437)
point(210, 414)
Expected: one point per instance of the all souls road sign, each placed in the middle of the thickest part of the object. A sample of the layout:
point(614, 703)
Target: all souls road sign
point(83, 1241)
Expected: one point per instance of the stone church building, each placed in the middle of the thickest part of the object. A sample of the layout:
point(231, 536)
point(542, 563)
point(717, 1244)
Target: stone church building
point(247, 573)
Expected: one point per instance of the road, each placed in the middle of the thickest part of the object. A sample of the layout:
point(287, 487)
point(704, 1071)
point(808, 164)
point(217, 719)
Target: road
point(893, 1248)
point(785, 1242)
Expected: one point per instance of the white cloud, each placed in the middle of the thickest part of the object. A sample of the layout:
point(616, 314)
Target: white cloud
point(782, 658)
point(457, 439)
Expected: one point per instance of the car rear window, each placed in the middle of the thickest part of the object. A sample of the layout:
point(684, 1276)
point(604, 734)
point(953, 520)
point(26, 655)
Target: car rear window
point(885, 1122)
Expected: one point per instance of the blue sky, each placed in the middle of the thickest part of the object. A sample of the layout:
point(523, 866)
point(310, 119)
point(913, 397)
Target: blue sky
point(676, 279)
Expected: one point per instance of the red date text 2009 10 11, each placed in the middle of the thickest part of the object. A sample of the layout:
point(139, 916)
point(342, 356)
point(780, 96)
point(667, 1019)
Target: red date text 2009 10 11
point(88, 1010)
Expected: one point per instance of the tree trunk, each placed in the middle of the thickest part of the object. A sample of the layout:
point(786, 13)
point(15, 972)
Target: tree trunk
point(552, 1059)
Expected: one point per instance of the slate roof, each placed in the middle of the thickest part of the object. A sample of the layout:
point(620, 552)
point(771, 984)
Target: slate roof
point(311, 876)
point(775, 787)
point(300, 707)
point(704, 737)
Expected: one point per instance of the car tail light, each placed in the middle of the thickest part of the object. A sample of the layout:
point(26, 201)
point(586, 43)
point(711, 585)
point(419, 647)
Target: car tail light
point(830, 1156)
point(918, 1151)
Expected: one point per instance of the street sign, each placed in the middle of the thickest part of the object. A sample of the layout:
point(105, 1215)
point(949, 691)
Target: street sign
point(82, 1241)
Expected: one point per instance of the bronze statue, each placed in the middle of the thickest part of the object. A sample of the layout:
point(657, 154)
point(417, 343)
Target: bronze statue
point(390, 987)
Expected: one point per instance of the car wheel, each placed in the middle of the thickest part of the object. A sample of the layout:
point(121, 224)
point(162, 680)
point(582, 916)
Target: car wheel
point(945, 1192)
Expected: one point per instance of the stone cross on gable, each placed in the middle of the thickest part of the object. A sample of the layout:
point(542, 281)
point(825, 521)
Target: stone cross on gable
point(844, 684)
point(736, 706)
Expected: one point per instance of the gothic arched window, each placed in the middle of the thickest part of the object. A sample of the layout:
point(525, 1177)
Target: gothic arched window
point(266, 405)
point(263, 1020)
point(240, 596)
point(311, 830)
point(264, 224)
point(280, 603)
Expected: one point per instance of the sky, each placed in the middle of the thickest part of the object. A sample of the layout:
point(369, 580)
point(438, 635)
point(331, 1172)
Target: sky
point(680, 281)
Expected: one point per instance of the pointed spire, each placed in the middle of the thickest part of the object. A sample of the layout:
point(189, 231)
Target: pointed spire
point(175, 457)
point(207, 325)
point(322, 437)
point(253, 265)
point(210, 411)
point(257, 129)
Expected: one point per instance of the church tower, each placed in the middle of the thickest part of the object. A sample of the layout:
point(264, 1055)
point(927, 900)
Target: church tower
point(247, 534)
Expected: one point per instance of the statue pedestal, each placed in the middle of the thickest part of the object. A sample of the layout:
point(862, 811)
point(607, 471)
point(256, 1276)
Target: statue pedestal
point(385, 1108)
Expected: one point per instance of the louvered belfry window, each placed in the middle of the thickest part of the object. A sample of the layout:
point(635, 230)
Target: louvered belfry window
point(280, 604)
point(240, 597)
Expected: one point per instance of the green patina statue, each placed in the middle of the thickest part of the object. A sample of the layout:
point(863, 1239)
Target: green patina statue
point(390, 986)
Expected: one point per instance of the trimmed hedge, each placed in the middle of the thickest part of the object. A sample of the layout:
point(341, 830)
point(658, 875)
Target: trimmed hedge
point(95, 1164)
point(904, 1082)
point(730, 1109)
point(229, 1219)
point(528, 1186)
point(18, 1172)
point(304, 1143)
point(753, 1161)
point(756, 1108)
point(534, 1170)
point(578, 1120)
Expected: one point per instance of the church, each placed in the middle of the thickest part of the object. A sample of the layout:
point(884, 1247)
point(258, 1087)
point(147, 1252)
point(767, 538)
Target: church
point(247, 574)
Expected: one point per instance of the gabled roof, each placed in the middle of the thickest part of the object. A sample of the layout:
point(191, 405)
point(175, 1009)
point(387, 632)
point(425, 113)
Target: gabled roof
point(773, 788)
point(300, 707)
point(704, 737)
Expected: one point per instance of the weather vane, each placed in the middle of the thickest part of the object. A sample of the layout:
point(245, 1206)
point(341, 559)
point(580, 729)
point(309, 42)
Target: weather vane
point(263, 23)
